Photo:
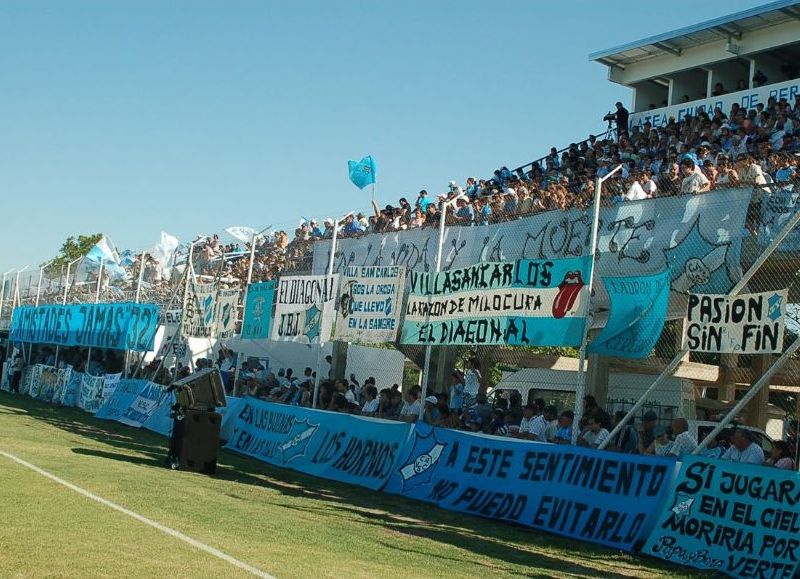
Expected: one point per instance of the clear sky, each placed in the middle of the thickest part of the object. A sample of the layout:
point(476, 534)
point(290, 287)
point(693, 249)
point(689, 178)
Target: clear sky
point(131, 117)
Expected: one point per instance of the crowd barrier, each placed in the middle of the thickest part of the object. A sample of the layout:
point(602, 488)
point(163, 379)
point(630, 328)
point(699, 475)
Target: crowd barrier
point(713, 515)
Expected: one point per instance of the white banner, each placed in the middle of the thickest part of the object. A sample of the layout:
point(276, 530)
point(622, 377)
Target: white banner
point(743, 324)
point(199, 317)
point(227, 306)
point(370, 301)
point(304, 308)
point(697, 237)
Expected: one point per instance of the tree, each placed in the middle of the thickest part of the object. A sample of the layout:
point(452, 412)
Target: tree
point(73, 248)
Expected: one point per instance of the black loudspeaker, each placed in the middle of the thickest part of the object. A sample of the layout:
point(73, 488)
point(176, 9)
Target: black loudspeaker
point(202, 390)
point(199, 441)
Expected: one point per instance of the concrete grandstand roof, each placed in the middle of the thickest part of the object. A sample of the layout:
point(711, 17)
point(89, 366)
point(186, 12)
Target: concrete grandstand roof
point(674, 42)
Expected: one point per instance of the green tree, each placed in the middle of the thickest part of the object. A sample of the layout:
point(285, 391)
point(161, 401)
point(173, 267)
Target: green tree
point(73, 248)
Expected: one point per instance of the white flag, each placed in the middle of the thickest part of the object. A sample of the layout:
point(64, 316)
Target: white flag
point(241, 232)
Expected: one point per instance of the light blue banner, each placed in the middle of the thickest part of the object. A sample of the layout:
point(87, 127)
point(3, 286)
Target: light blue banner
point(601, 497)
point(340, 447)
point(258, 311)
point(522, 303)
point(159, 421)
point(362, 173)
point(731, 518)
point(114, 408)
point(638, 311)
point(777, 208)
point(120, 326)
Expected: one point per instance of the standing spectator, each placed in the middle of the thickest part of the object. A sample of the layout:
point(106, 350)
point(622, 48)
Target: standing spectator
point(743, 449)
point(694, 181)
point(456, 397)
point(18, 366)
point(621, 117)
point(472, 382)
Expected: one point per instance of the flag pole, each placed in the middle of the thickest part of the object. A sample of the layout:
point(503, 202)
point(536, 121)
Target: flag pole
point(580, 388)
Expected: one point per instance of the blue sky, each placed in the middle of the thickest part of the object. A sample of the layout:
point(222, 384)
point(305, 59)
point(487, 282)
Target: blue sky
point(132, 117)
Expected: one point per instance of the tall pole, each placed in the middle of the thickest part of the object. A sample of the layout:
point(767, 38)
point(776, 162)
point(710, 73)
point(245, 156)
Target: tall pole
point(580, 387)
point(318, 380)
point(439, 250)
point(64, 301)
point(136, 301)
point(96, 300)
point(671, 367)
point(15, 301)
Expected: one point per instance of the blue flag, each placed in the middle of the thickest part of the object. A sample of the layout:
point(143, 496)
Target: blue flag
point(362, 173)
point(638, 312)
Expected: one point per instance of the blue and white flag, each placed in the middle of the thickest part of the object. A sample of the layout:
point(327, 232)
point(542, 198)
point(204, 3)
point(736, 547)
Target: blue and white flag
point(638, 311)
point(362, 173)
point(104, 253)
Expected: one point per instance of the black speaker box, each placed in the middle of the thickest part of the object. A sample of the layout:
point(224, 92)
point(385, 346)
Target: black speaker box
point(200, 443)
point(202, 390)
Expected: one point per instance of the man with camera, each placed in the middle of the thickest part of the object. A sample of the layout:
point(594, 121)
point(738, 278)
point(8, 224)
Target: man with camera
point(620, 118)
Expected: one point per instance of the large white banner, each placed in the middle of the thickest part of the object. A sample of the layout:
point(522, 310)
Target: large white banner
point(370, 301)
point(697, 237)
point(742, 324)
point(305, 308)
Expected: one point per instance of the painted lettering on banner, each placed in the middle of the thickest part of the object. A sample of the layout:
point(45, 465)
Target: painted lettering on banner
point(305, 308)
point(741, 324)
point(738, 519)
point(119, 326)
point(370, 303)
point(335, 446)
point(527, 302)
point(604, 498)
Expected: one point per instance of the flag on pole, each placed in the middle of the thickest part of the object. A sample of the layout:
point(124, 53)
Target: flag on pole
point(104, 253)
point(241, 232)
point(362, 173)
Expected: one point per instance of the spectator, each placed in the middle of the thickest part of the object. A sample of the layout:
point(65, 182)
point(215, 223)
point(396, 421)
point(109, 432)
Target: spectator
point(647, 432)
point(684, 443)
point(391, 404)
point(662, 445)
point(498, 425)
point(626, 440)
point(743, 449)
point(693, 181)
point(412, 407)
point(782, 456)
point(456, 398)
point(593, 435)
point(432, 414)
point(483, 410)
point(472, 382)
point(371, 404)
point(526, 425)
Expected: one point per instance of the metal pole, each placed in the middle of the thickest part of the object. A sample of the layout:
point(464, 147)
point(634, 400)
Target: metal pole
point(790, 225)
point(96, 300)
point(580, 387)
point(317, 381)
point(763, 381)
point(439, 248)
point(244, 301)
point(139, 280)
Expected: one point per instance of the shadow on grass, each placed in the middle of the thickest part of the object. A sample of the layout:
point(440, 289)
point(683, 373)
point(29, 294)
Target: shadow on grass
point(484, 538)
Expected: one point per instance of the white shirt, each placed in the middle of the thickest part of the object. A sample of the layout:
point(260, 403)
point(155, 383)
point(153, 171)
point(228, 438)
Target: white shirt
point(349, 396)
point(694, 182)
point(526, 424)
point(595, 439)
point(753, 454)
point(538, 426)
point(684, 445)
point(409, 409)
point(636, 192)
point(370, 407)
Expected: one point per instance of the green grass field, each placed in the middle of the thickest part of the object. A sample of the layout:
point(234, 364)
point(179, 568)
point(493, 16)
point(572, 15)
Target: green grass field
point(284, 523)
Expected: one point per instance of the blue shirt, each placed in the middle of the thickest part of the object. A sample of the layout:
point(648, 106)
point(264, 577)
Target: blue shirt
point(564, 432)
point(423, 203)
point(456, 396)
point(466, 212)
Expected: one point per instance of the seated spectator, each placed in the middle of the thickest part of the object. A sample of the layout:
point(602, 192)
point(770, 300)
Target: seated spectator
point(684, 443)
point(564, 432)
point(781, 456)
point(743, 449)
point(498, 425)
point(412, 407)
point(371, 404)
point(432, 414)
point(661, 444)
point(483, 411)
point(526, 425)
point(626, 440)
point(647, 432)
point(594, 433)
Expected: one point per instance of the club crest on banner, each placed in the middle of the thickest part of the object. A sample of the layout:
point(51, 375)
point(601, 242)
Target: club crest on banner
point(300, 436)
point(699, 265)
point(422, 461)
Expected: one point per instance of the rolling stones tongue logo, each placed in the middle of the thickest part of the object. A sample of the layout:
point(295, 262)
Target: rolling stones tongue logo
point(568, 291)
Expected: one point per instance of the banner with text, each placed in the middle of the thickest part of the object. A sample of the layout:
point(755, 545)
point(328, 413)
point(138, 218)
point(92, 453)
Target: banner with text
point(522, 303)
point(227, 309)
point(370, 300)
point(304, 308)
point(777, 207)
point(697, 237)
point(638, 312)
point(200, 314)
point(258, 311)
point(741, 324)
point(733, 518)
point(340, 447)
point(606, 498)
point(121, 326)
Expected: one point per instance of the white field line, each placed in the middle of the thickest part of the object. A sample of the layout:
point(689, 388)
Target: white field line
point(142, 519)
